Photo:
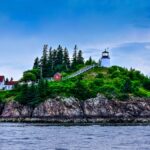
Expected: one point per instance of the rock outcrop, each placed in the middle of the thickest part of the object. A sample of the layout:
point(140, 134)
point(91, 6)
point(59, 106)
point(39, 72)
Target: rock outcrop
point(14, 109)
point(58, 108)
point(70, 109)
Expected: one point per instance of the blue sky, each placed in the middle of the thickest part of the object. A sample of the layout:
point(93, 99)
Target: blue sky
point(121, 25)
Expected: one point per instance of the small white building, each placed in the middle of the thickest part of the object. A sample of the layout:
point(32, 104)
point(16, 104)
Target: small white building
point(105, 59)
point(7, 84)
point(10, 85)
point(2, 82)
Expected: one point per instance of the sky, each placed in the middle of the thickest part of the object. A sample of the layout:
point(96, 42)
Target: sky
point(123, 26)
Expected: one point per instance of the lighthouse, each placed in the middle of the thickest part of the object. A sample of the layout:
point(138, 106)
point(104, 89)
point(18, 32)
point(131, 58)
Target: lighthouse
point(105, 59)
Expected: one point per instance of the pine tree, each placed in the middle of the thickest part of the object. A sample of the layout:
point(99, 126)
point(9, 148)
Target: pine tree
point(50, 62)
point(44, 62)
point(54, 60)
point(89, 61)
point(80, 59)
point(42, 88)
point(66, 60)
point(23, 96)
point(36, 64)
point(59, 55)
point(74, 58)
point(32, 96)
point(6, 81)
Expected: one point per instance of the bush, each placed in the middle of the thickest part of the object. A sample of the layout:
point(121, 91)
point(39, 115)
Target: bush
point(80, 91)
point(115, 74)
point(127, 86)
point(108, 90)
point(141, 92)
point(99, 75)
point(146, 83)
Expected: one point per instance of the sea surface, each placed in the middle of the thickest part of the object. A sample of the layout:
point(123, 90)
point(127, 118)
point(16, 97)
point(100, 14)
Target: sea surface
point(94, 137)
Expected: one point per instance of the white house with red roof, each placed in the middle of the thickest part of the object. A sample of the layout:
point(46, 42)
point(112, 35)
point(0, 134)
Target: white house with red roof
point(2, 82)
point(6, 85)
point(10, 85)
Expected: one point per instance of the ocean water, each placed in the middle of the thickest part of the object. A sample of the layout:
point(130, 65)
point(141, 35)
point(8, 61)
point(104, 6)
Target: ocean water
point(94, 137)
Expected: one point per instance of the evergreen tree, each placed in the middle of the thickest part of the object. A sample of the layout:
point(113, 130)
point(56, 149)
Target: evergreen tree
point(43, 88)
point(6, 81)
point(54, 60)
point(66, 60)
point(59, 55)
point(89, 61)
point(74, 58)
point(50, 62)
point(36, 64)
point(127, 86)
point(80, 91)
point(44, 62)
point(32, 95)
point(23, 96)
point(80, 59)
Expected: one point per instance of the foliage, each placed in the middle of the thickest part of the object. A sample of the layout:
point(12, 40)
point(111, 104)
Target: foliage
point(31, 75)
point(114, 82)
point(90, 61)
point(33, 94)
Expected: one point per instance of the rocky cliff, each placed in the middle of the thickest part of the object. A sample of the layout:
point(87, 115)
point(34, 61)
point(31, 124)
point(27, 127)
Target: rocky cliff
point(97, 110)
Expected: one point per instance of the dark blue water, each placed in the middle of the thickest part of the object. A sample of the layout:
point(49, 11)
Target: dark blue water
point(44, 137)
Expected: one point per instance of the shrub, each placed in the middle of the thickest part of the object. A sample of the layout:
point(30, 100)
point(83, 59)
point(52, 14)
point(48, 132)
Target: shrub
point(146, 83)
point(99, 75)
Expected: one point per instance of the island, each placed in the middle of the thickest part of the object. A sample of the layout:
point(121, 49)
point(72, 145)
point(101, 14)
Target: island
point(59, 89)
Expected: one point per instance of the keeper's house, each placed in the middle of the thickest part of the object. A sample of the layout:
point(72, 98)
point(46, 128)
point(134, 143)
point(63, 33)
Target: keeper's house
point(10, 85)
point(6, 84)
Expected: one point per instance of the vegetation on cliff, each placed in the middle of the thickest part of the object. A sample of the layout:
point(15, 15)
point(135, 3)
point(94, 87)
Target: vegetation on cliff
point(114, 82)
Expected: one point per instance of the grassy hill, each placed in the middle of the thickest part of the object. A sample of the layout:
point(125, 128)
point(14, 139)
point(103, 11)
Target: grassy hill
point(115, 83)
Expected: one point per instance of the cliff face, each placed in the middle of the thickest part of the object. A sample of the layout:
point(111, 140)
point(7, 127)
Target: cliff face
point(58, 108)
point(14, 109)
point(92, 109)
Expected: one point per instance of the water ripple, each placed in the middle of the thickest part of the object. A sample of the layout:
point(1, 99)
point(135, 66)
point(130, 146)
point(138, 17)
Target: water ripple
point(45, 137)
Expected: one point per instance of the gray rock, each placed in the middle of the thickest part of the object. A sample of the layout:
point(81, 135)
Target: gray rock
point(99, 107)
point(14, 109)
point(51, 108)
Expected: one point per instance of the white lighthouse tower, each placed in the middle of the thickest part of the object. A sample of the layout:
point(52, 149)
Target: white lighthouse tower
point(105, 59)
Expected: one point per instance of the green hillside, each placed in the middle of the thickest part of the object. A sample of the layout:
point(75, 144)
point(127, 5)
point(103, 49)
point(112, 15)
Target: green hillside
point(115, 82)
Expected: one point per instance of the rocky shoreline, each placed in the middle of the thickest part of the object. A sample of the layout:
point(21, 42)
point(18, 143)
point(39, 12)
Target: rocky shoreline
point(69, 110)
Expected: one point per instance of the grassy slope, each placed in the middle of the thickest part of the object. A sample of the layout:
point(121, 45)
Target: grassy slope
point(110, 82)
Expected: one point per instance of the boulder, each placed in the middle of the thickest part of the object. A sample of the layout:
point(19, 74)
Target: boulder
point(58, 108)
point(13, 109)
point(98, 107)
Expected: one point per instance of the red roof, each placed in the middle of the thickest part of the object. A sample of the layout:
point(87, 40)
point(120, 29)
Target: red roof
point(2, 78)
point(11, 83)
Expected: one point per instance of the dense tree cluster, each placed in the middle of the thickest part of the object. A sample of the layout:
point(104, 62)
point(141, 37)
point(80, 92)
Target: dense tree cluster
point(58, 60)
point(32, 94)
